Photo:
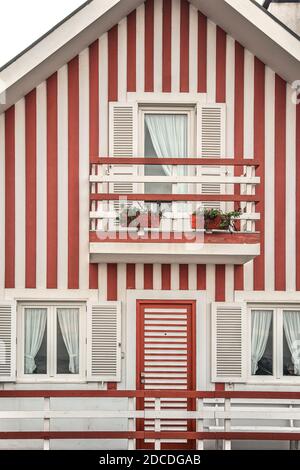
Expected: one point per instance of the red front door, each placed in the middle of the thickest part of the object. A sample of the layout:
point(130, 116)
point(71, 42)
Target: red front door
point(166, 361)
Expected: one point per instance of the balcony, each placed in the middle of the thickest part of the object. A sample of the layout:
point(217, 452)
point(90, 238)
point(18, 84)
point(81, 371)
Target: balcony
point(121, 185)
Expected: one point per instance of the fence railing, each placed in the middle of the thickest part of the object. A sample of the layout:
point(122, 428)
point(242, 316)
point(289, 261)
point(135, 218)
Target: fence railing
point(222, 417)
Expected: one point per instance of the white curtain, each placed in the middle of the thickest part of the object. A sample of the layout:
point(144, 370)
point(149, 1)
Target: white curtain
point(35, 324)
point(291, 325)
point(168, 134)
point(260, 328)
point(69, 325)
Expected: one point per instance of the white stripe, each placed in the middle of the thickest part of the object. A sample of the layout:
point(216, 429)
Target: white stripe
point(139, 276)
point(62, 203)
point(211, 61)
point(210, 282)
point(230, 72)
point(140, 48)
point(193, 50)
point(121, 273)
point(175, 45)
point(157, 276)
point(122, 60)
point(102, 281)
point(103, 99)
point(41, 185)
point(192, 277)
point(269, 179)
point(20, 194)
point(229, 283)
point(2, 202)
point(174, 276)
point(83, 169)
point(290, 191)
point(158, 28)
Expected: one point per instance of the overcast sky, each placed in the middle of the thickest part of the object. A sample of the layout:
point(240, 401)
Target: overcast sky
point(24, 21)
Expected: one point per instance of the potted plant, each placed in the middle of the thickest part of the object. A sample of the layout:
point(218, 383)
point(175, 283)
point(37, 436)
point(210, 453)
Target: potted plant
point(228, 220)
point(212, 219)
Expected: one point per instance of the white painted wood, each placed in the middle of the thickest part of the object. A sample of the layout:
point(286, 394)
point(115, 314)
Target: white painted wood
point(102, 281)
point(269, 179)
point(177, 179)
point(192, 276)
point(211, 61)
point(157, 276)
point(62, 203)
point(174, 276)
point(175, 47)
point(121, 281)
point(83, 169)
point(290, 191)
point(20, 173)
point(139, 276)
point(103, 95)
point(230, 80)
point(193, 50)
point(7, 341)
point(158, 14)
point(122, 60)
point(41, 185)
point(2, 202)
point(140, 48)
point(229, 283)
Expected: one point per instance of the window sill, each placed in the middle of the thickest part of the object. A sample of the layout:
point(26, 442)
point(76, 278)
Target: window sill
point(51, 381)
point(284, 381)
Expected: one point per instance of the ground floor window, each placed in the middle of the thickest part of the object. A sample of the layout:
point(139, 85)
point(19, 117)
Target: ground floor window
point(275, 342)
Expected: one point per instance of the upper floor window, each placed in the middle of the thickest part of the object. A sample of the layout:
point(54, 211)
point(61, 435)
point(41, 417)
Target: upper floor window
point(275, 342)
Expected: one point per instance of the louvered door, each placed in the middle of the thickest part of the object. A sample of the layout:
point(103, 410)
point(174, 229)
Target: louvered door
point(166, 361)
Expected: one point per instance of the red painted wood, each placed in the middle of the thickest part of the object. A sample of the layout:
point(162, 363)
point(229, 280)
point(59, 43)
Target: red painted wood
point(113, 64)
point(298, 197)
point(73, 174)
point(183, 276)
point(52, 190)
point(148, 276)
point(175, 197)
point(202, 53)
point(112, 281)
point(111, 386)
point(219, 387)
point(167, 46)
point(94, 128)
point(30, 149)
point(221, 66)
point(280, 181)
point(201, 277)
point(10, 198)
point(220, 283)
point(166, 276)
point(149, 45)
point(238, 277)
point(131, 52)
point(184, 45)
point(173, 161)
point(130, 276)
point(259, 152)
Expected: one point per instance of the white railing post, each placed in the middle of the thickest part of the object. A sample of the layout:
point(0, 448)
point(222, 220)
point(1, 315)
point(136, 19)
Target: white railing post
point(227, 424)
point(46, 422)
point(157, 424)
point(200, 423)
point(131, 423)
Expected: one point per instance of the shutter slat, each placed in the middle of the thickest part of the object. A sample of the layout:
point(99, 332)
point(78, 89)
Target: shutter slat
point(104, 342)
point(229, 342)
point(7, 343)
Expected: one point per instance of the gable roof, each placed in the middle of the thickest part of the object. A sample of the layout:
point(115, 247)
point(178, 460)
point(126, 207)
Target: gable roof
point(246, 21)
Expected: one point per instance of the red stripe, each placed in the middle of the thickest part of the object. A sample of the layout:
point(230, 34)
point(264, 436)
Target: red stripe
point(112, 281)
point(10, 198)
point(30, 145)
point(280, 180)
point(113, 64)
point(148, 276)
point(239, 138)
point(221, 66)
point(220, 283)
point(219, 387)
point(52, 182)
point(298, 197)
point(73, 174)
point(167, 46)
point(184, 45)
point(131, 51)
point(94, 128)
point(130, 276)
point(149, 45)
point(183, 276)
point(166, 276)
point(202, 53)
point(201, 277)
point(259, 154)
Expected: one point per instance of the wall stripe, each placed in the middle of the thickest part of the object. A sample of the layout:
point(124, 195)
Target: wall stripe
point(149, 45)
point(2, 203)
point(280, 181)
point(183, 276)
point(220, 283)
point(112, 281)
point(158, 32)
point(298, 197)
point(131, 51)
point(211, 62)
point(73, 172)
point(166, 276)
point(221, 66)
point(10, 198)
point(30, 146)
point(103, 95)
point(148, 276)
point(193, 50)
point(122, 60)
point(184, 45)
point(140, 48)
point(52, 143)
point(201, 276)
point(130, 275)
point(202, 53)
point(175, 47)
point(113, 64)
point(167, 46)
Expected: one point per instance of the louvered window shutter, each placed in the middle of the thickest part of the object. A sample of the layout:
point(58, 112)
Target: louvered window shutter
point(104, 342)
point(211, 144)
point(7, 343)
point(229, 342)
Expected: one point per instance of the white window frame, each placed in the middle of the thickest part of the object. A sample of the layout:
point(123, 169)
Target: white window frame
point(277, 377)
point(51, 376)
